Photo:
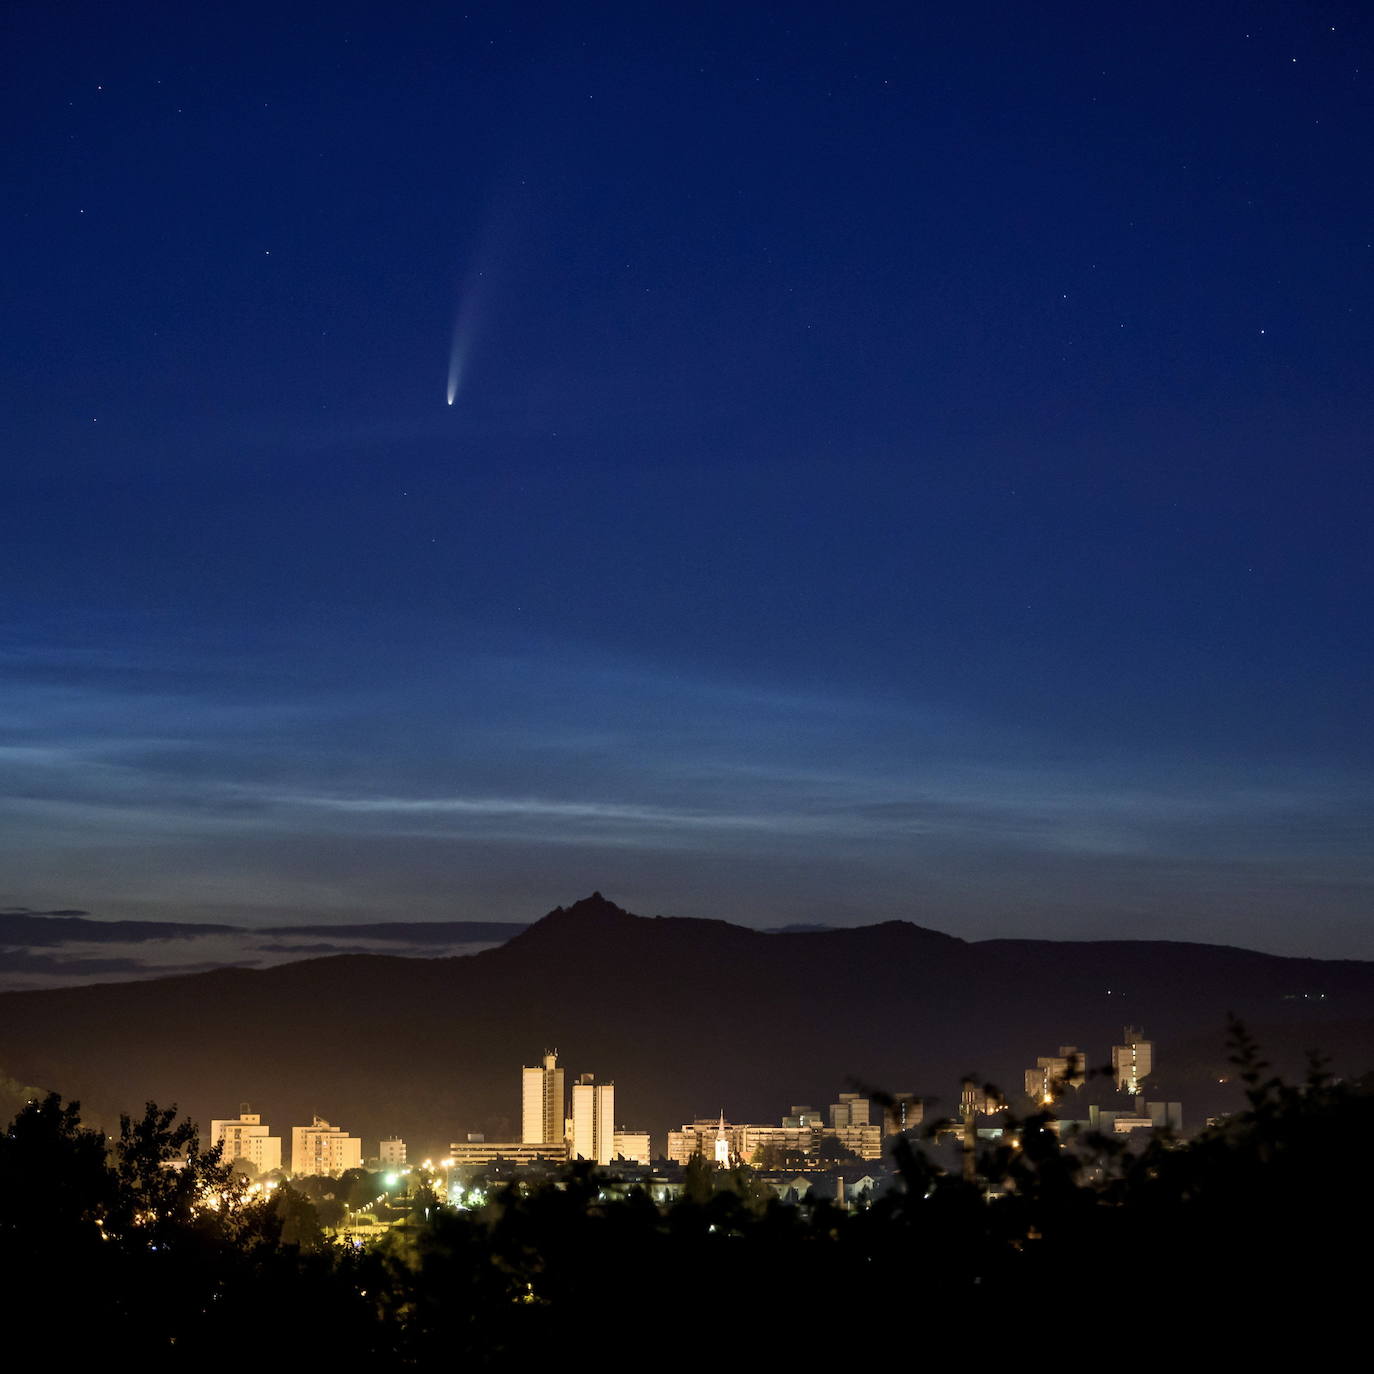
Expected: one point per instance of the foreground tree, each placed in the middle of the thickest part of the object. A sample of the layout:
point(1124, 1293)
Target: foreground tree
point(147, 1241)
point(1242, 1234)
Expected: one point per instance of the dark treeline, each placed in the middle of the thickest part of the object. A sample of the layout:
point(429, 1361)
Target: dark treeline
point(1220, 1246)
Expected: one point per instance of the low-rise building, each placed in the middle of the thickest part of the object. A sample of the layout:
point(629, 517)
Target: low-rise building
point(360, 1229)
point(469, 1153)
point(707, 1136)
point(633, 1145)
point(1167, 1116)
point(1123, 1123)
point(1122, 1120)
point(797, 1139)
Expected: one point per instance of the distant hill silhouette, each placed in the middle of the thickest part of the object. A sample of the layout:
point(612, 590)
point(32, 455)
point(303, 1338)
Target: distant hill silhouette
point(688, 1017)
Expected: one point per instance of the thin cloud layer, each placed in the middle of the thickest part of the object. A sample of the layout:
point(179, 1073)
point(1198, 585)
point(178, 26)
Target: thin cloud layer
point(93, 954)
point(190, 792)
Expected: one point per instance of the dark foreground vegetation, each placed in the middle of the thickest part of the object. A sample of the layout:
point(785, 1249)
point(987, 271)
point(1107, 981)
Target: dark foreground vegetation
point(1213, 1248)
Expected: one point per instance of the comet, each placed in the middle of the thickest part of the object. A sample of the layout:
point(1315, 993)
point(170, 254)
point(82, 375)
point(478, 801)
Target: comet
point(465, 328)
point(484, 262)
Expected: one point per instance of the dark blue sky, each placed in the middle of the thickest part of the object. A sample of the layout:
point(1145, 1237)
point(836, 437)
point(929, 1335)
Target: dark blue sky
point(907, 461)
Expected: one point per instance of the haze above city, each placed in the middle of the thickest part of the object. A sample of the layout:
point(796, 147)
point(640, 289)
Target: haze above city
point(784, 464)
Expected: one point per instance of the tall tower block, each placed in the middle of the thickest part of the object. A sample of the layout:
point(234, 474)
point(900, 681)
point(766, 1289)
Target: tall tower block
point(593, 1117)
point(541, 1103)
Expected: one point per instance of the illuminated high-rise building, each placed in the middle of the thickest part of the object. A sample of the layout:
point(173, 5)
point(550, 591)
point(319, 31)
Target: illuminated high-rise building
point(322, 1149)
point(541, 1101)
point(852, 1109)
point(1132, 1061)
point(979, 1101)
point(1053, 1071)
point(904, 1112)
point(593, 1120)
point(248, 1139)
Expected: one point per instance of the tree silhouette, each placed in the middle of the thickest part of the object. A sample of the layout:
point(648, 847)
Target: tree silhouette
point(1243, 1231)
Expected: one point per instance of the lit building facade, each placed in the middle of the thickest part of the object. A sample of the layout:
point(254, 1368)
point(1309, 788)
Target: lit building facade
point(978, 1101)
point(593, 1120)
point(542, 1101)
point(322, 1149)
point(800, 1134)
point(1052, 1071)
point(707, 1137)
point(632, 1145)
point(1133, 1061)
point(247, 1138)
point(720, 1147)
point(391, 1153)
point(466, 1153)
point(853, 1109)
point(757, 1143)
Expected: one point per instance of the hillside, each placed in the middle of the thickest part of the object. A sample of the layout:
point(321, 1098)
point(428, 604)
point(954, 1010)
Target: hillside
point(688, 1017)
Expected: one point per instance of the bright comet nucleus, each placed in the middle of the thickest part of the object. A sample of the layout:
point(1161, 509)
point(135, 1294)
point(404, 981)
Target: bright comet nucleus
point(466, 319)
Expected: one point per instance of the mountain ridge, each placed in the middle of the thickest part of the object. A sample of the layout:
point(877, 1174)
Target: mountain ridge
point(686, 1015)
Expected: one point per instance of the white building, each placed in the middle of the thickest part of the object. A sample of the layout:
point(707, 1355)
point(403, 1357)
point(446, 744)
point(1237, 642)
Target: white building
point(322, 1149)
point(1132, 1061)
point(593, 1120)
point(979, 1101)
point(633, 1145)
point(469, 1153)
point(391, 1153)
point(756, 1143)
point(712, 1139)
point(720, 1148)
point(853, 1109)
point(542, 1097)
point(801, 1134)
point(247, 1138)
point(1053, 1071)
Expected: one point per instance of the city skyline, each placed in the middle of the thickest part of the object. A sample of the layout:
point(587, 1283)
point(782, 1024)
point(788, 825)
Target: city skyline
point(690, 1017)
point(566, 1123)
point(883, 491)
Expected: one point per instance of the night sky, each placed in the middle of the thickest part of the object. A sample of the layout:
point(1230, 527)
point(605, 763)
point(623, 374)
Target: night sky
point(905, 460)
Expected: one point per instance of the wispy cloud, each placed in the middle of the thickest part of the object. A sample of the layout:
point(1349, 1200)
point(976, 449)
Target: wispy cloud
point(541, 811)
point(66, 962)
point(266, 792)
